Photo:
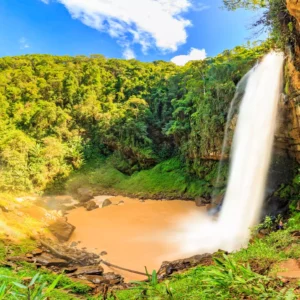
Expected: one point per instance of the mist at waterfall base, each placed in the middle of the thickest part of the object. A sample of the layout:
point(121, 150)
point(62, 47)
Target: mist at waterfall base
point(250, 160)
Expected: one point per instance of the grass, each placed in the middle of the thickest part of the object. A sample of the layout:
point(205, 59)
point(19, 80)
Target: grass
point(168, 179)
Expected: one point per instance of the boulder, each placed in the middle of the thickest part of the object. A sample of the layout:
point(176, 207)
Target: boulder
point(106, 202)
point(61, 229)
point(91, 205)
point(167, 268)
point(199, 201)
point(85, 194)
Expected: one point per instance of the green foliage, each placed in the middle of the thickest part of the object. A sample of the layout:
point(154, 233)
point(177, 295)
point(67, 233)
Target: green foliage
point(58, 113)
point(249, 4)
point(202, 95)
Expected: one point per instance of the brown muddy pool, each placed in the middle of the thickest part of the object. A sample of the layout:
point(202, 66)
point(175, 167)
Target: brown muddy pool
point(134, 234)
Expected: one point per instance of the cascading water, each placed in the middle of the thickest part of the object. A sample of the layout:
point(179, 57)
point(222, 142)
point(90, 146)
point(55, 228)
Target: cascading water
point(233, 109)
point(252, 148)
point(251, 155)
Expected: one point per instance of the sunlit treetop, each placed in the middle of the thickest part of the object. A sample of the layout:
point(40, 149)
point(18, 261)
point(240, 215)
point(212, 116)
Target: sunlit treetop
point(249, 4)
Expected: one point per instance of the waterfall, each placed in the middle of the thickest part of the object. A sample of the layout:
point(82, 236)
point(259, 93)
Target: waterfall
point(250, 160)
point(252, 148)
point(233, 109)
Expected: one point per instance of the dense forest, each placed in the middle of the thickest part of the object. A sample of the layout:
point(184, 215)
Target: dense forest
point(59, 113)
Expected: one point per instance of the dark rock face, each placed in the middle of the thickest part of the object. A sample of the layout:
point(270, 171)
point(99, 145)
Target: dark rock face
point(62, 230)
point(91, 205)
point(287, 136)
point(281, 172)
point(167, 268)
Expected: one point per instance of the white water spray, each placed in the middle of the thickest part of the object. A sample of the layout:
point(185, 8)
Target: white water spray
point(251, 156)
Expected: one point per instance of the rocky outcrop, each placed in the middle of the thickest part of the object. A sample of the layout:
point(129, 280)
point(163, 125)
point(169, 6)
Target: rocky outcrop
point(288, 131)
point(294, 8)
point(78, 265)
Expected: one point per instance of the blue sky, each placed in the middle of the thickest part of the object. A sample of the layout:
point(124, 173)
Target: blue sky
point(145, 29)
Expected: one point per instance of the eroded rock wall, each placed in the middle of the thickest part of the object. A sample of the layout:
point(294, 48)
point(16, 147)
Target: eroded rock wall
point(288, 130)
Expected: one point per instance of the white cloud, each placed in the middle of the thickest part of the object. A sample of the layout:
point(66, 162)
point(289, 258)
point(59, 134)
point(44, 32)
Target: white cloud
point(149, 23)
point(23, 43)
point(194, 54)
point(46, 1)
point(128, 53)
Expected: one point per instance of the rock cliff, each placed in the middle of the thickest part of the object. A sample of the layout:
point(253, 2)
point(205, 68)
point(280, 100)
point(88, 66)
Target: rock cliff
point(288, 132)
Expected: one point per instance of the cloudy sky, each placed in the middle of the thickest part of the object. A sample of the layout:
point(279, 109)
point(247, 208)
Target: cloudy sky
point(177, 30)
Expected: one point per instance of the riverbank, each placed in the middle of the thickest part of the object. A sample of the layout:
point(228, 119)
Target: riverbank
point(274, 274)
